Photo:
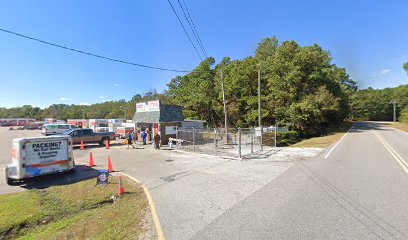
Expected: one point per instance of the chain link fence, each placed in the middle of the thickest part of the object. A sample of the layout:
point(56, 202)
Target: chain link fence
point(231, 142)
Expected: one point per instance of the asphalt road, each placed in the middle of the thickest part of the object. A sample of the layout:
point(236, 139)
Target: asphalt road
point(358, 191)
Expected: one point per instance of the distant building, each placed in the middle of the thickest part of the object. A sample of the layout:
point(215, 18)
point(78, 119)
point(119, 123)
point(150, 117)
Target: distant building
point(153, 117)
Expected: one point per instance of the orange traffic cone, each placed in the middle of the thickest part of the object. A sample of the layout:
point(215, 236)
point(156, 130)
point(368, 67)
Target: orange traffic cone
point(107, 144)
point(82, 145)
point(121, 187)
point(110, 169)
point(91, 161)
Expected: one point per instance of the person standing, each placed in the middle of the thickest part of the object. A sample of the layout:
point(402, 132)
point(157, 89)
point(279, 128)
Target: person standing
point(156, 139)
point(144, 135)
point(129, 138)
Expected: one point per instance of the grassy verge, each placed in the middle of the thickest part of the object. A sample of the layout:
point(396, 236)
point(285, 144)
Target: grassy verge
point(399, 125)
point(76, 211)
point(331, 135)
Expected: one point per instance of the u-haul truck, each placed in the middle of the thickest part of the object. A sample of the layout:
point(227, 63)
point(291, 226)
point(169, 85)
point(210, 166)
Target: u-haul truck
point(37, 156)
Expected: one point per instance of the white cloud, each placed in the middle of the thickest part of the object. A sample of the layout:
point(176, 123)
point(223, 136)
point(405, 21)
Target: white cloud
point(106, 100)
point(65, 99)
point(101, 97)
point(116, 85)
point(84, 104)
point(385, 71)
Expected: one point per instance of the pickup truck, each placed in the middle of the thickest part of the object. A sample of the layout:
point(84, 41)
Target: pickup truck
point(87, 135)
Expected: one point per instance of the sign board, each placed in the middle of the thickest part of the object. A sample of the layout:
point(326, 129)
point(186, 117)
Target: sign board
point(103, 177)
point(170, 130)
point(46, 151)
point(152, 106)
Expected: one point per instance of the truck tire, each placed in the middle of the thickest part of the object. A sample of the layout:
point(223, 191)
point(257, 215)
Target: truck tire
point(103, 141)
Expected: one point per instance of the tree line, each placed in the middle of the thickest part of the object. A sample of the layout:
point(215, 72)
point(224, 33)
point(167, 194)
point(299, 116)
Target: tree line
point(301, 89)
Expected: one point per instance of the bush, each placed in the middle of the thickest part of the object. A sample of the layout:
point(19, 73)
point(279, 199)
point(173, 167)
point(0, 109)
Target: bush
point(404, 115)
point(287, 138)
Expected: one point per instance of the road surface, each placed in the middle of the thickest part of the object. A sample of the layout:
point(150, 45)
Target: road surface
point(358, 190)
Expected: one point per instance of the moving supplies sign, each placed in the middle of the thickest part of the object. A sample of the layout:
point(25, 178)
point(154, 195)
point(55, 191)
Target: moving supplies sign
point(153, 106)
point(46, 151)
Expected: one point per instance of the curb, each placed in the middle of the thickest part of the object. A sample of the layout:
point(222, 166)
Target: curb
point(159, 231)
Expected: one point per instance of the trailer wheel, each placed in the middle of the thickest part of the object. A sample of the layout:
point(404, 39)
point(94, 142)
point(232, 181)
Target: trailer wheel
point(8, 180)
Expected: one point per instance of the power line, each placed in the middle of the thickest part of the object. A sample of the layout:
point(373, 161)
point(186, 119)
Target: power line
point(189, 38)
point(192, 29)
point(91, 54)
point(192, 22)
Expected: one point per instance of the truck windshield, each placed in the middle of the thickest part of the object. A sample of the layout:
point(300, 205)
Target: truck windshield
point(69, 132)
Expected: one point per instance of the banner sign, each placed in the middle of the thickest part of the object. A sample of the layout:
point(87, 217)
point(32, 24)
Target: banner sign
point(153, 106)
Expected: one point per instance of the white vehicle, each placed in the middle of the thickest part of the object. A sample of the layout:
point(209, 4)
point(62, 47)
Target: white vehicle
point(53, 129)
point(37, 156)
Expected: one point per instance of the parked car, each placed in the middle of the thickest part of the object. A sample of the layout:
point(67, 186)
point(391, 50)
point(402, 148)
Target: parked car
point(54, 129)
point(87, 135)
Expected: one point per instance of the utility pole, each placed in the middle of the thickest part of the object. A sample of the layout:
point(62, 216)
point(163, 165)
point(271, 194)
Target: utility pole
point(394, 114)
point(259, 97)
point(225, 108)
point(260, 107)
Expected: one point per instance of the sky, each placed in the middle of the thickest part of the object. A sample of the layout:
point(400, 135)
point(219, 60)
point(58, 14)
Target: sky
point(368, 38)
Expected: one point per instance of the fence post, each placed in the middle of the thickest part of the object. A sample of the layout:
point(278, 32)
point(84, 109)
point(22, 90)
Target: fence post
point(215, 141)
point(252, 140)
point(177, 137)
point(193, 140)
point(261, 138)
point(239, 142)
point(276, 133)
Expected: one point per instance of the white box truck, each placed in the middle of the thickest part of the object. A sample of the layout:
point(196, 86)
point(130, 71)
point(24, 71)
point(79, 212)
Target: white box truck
point(37, 156)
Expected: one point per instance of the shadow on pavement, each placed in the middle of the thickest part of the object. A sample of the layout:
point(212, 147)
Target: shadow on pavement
point(81, 173)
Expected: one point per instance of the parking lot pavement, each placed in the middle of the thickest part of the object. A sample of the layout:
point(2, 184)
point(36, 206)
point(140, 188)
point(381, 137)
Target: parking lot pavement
point(191, 190)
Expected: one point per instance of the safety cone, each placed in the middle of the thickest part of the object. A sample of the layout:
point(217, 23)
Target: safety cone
point(110, 169)
point(91, 161)
point(107, 144)
point(82, 145)
point(121, 187)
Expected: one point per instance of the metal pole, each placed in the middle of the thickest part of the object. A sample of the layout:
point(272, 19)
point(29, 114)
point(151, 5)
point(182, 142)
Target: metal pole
point(259, 97)
point(252, 140)
point(177, 137)
point(225, 108)
point(193, 140)
point(276, 130)
point(215, 141)
point(261, 138)
point(394, 118)
point(239, 142)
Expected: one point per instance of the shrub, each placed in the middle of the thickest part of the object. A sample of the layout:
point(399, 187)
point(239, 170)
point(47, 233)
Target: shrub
point(287, 138)
point(404, 115)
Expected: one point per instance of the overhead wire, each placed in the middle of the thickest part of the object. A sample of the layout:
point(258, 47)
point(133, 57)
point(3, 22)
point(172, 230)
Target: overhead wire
point(185, 31)
point(89, 53)
point(192, 29)
point(192, 22)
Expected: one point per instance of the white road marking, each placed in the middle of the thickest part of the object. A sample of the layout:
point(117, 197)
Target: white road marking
point(394, 153)
point(331, 150)
point(400, 131)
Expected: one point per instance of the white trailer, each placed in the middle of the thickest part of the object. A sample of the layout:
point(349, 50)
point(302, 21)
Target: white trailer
point(37, 156)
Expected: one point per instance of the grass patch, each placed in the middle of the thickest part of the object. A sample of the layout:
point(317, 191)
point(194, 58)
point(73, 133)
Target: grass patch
point(75, 211)
point(331, 135)
point(399, 125)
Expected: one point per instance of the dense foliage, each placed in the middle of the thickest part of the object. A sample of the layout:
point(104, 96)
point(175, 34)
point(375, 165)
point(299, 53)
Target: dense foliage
point(374, 104)
point(301, 89)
